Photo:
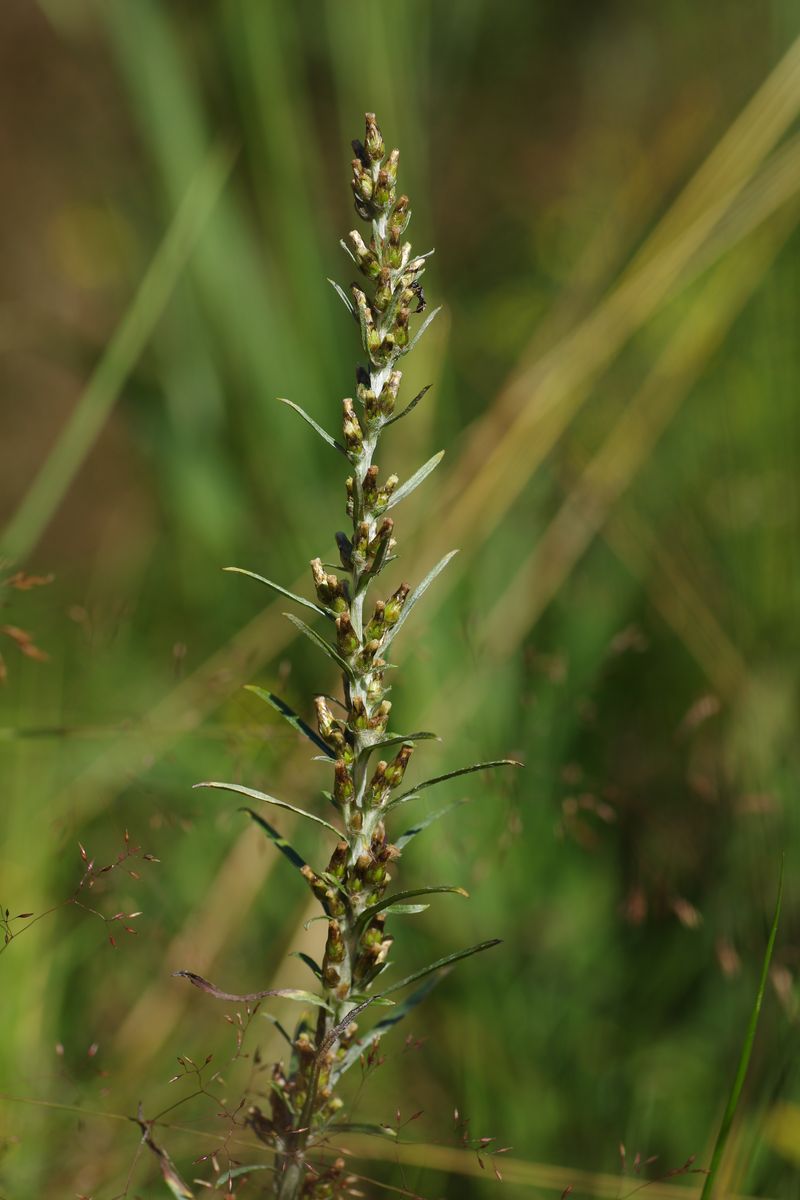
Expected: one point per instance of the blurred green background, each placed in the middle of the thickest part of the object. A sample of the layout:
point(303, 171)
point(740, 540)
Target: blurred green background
point(612, 190)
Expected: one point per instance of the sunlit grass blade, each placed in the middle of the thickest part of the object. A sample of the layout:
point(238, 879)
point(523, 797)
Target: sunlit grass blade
point(121, 355)
point(744, 1057)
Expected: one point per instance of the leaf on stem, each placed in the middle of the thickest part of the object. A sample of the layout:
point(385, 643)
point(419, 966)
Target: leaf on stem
point(441, 962)
point(387, 901)
point(253, 794)
point(416, 479)
point(251, 997)
point(291, 716)
point(354, 1052)
point(361, 1127)
point(416, 595)
point(276, 587)
point(411, 833)
point(343, 296)
point(324, 646)
point(410, 406)
point(394, 739)
point(413, 792)
point(326, 437)
point(313, 966)
point(286, 849)
point(421, 330)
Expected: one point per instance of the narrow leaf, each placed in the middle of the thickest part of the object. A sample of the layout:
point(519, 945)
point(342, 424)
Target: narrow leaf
point(279, 1027)
point(313, 966)
point(416, 595)
point(410, 406)
point(441, 962)
point(426, 783)
point(291, 716)
point(411, 833)
point(354, 1053)
point(326, 437)
point(373, 910)
point(251, 997)
point(361, 1127)
point(276, 587)
point(744, 1057)
point(256, 795)
point(416, 479)
point(343, 296)
point(410, 909)
point(237, 1172)
point(394, 739)
point(324, 646)
point(422, 329)
point(285, 848)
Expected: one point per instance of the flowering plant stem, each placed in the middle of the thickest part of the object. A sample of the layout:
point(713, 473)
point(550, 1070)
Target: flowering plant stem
point(352, 889)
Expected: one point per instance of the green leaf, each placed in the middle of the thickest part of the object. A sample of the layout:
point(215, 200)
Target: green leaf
point(326, 437)
point(394, 739)
point(410, 406)
point(416, 479)
point(441, 962)
point(411, 833)
point(324, 646)
point(253, 794)
point(343, 296)
point(361, 1127)
point(238, 1172)
point(313, 966)
point(416, 595)
point(291, 716)
point(744, 1057)
point(211, 989)
point(274, 1020)
point(354, 1053)
point(422, 329)
point(410, 909)
point(366, 916)
point(276, 587)
point(413, 792)
point(287, 850)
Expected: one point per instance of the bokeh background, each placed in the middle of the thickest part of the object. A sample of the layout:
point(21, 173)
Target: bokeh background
point(612, 190)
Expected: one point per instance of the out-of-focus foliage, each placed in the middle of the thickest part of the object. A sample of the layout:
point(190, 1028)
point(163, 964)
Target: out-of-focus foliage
point(614, 208)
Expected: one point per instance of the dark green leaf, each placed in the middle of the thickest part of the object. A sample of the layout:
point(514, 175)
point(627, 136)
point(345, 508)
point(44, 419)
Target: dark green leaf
point(373, 910)
point(353, 1054)
point(441, 962)
point(274, 1020)
point(406, 837)
point(285, 848)
point(416, 479)
point(253, 794)
point(416, 595)
point(395, 739)
point(409, 407)
point(313, 967)
point(291, 716)
point(426, 783)
point(324, 646)
point(276, 587)
point(326, 437)
point(744, 1057)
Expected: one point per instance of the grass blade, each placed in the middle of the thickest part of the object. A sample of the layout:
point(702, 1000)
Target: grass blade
point(406, 837)
point(412, 404)
point(286, 849)
point(130, 338)
point(744, 1057)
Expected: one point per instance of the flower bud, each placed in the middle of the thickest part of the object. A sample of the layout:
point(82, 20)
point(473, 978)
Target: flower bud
point(342, 784)
point(329, 729)
point(384, 493)
point(346, 635)
point(370, 486)
point(377, 625)
point(360, 717)
point(382, 191)
point(394, 605)
point(389, 392)
point(391, 165)
point(373, 141)
point(380, 717)
point(397, 768)
point(366, 258)
point(353, 437)
point(383, 292)
point(338, 864)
